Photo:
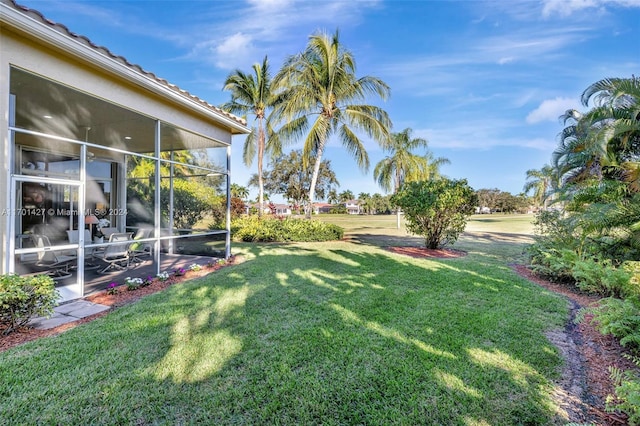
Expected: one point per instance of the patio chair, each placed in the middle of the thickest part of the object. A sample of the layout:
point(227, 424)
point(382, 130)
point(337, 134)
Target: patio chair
point(88, 252)
point(139, 249)
point(57, 265)
point(115, 255)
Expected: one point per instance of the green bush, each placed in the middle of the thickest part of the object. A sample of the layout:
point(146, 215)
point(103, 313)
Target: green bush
point(619, 318)
point(437, 210)
point(555, 264)
point(602, 278)
point(22, 298)
point(266, 229)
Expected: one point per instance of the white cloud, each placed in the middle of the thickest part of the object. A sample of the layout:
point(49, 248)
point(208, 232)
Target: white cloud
point(482, 135)
point(568, 7)
point(551, 109)
point(233, 49)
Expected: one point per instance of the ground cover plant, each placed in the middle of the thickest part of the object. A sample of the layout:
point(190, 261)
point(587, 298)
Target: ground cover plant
point(336, 333)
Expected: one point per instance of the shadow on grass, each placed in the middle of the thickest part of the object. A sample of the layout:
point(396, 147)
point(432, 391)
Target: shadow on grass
point(302, 335)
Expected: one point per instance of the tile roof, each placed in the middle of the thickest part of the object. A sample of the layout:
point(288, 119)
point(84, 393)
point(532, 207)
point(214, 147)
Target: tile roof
point(105, 51)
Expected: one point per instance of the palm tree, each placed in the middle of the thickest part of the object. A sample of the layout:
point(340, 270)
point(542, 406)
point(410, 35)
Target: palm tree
point(239, 191)
point(402, 165)
point(321, 97)
point(543, 182)
point(252, 94)
point(332, 197)
point(345, 196)
point(605, 141)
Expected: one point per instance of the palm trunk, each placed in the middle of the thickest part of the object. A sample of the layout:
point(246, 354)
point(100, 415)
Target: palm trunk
point(395, 192)
point(314, 180)
point(260, 177)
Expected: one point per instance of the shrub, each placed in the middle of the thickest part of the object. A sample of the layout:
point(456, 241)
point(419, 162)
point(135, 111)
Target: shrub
point(438, 210)
point(619, 318)
point(256, 229)
point(601, 278)
point(24, 297)
point(555, 264)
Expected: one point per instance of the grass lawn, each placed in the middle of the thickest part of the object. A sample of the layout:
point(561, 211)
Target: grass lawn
point(324, 333)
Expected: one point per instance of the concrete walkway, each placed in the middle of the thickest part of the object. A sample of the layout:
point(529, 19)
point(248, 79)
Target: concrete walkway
point(68, 312)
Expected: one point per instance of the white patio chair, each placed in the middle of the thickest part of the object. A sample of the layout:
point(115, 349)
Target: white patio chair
point(116, 255)
point(57, 264)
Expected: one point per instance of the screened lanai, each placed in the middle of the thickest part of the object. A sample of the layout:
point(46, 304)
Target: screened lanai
point(82, 163)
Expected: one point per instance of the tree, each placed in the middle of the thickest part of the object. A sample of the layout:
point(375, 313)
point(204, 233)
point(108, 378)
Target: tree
point(288, 176)
point(402, 165)
point(332, 197)
point(603, 142)
point(345, 196)
point(366, 202)
point(252, 94)
point(543, 182)
point(438, 209)
point(381, 204)
point(321, 96)
point(239, 191)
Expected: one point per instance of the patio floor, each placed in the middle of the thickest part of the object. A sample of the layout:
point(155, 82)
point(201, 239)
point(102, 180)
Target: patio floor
point(95, 281)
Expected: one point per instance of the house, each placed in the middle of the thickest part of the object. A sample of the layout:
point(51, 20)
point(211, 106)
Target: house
point(353, 206)
point(76, 122)
point(281, 209)
point(322, 208)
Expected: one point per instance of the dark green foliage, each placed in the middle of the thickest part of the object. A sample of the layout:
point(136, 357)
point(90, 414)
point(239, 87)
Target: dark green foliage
point(602, 278)
point(22, 298)
point(619, 318)
point(287, 175)
point(255, 229)
point(598, 235)
point(190, 203)
point(627, 396)
point(219, 211)
point(438, 210)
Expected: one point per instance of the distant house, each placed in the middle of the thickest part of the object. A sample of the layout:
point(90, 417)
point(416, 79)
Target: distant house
point(353, 206)
point(282, 209)
point(322, 208)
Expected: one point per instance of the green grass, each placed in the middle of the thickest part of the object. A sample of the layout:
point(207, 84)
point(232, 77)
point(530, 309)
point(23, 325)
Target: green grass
point(316, 333)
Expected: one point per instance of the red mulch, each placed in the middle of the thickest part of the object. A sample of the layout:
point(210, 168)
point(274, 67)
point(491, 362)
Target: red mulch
point(121, 298)
point(421, 252)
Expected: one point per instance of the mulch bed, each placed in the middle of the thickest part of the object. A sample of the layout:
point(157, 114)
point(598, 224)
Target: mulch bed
point(421, 252)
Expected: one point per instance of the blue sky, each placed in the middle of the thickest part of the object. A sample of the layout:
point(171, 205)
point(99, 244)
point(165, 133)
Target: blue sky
point(483, 81)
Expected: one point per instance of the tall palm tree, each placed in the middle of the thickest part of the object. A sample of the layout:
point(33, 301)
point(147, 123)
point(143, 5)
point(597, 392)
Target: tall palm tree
point(543, 182)
point(251, 94)
point(402, 165)
point(321, 97)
